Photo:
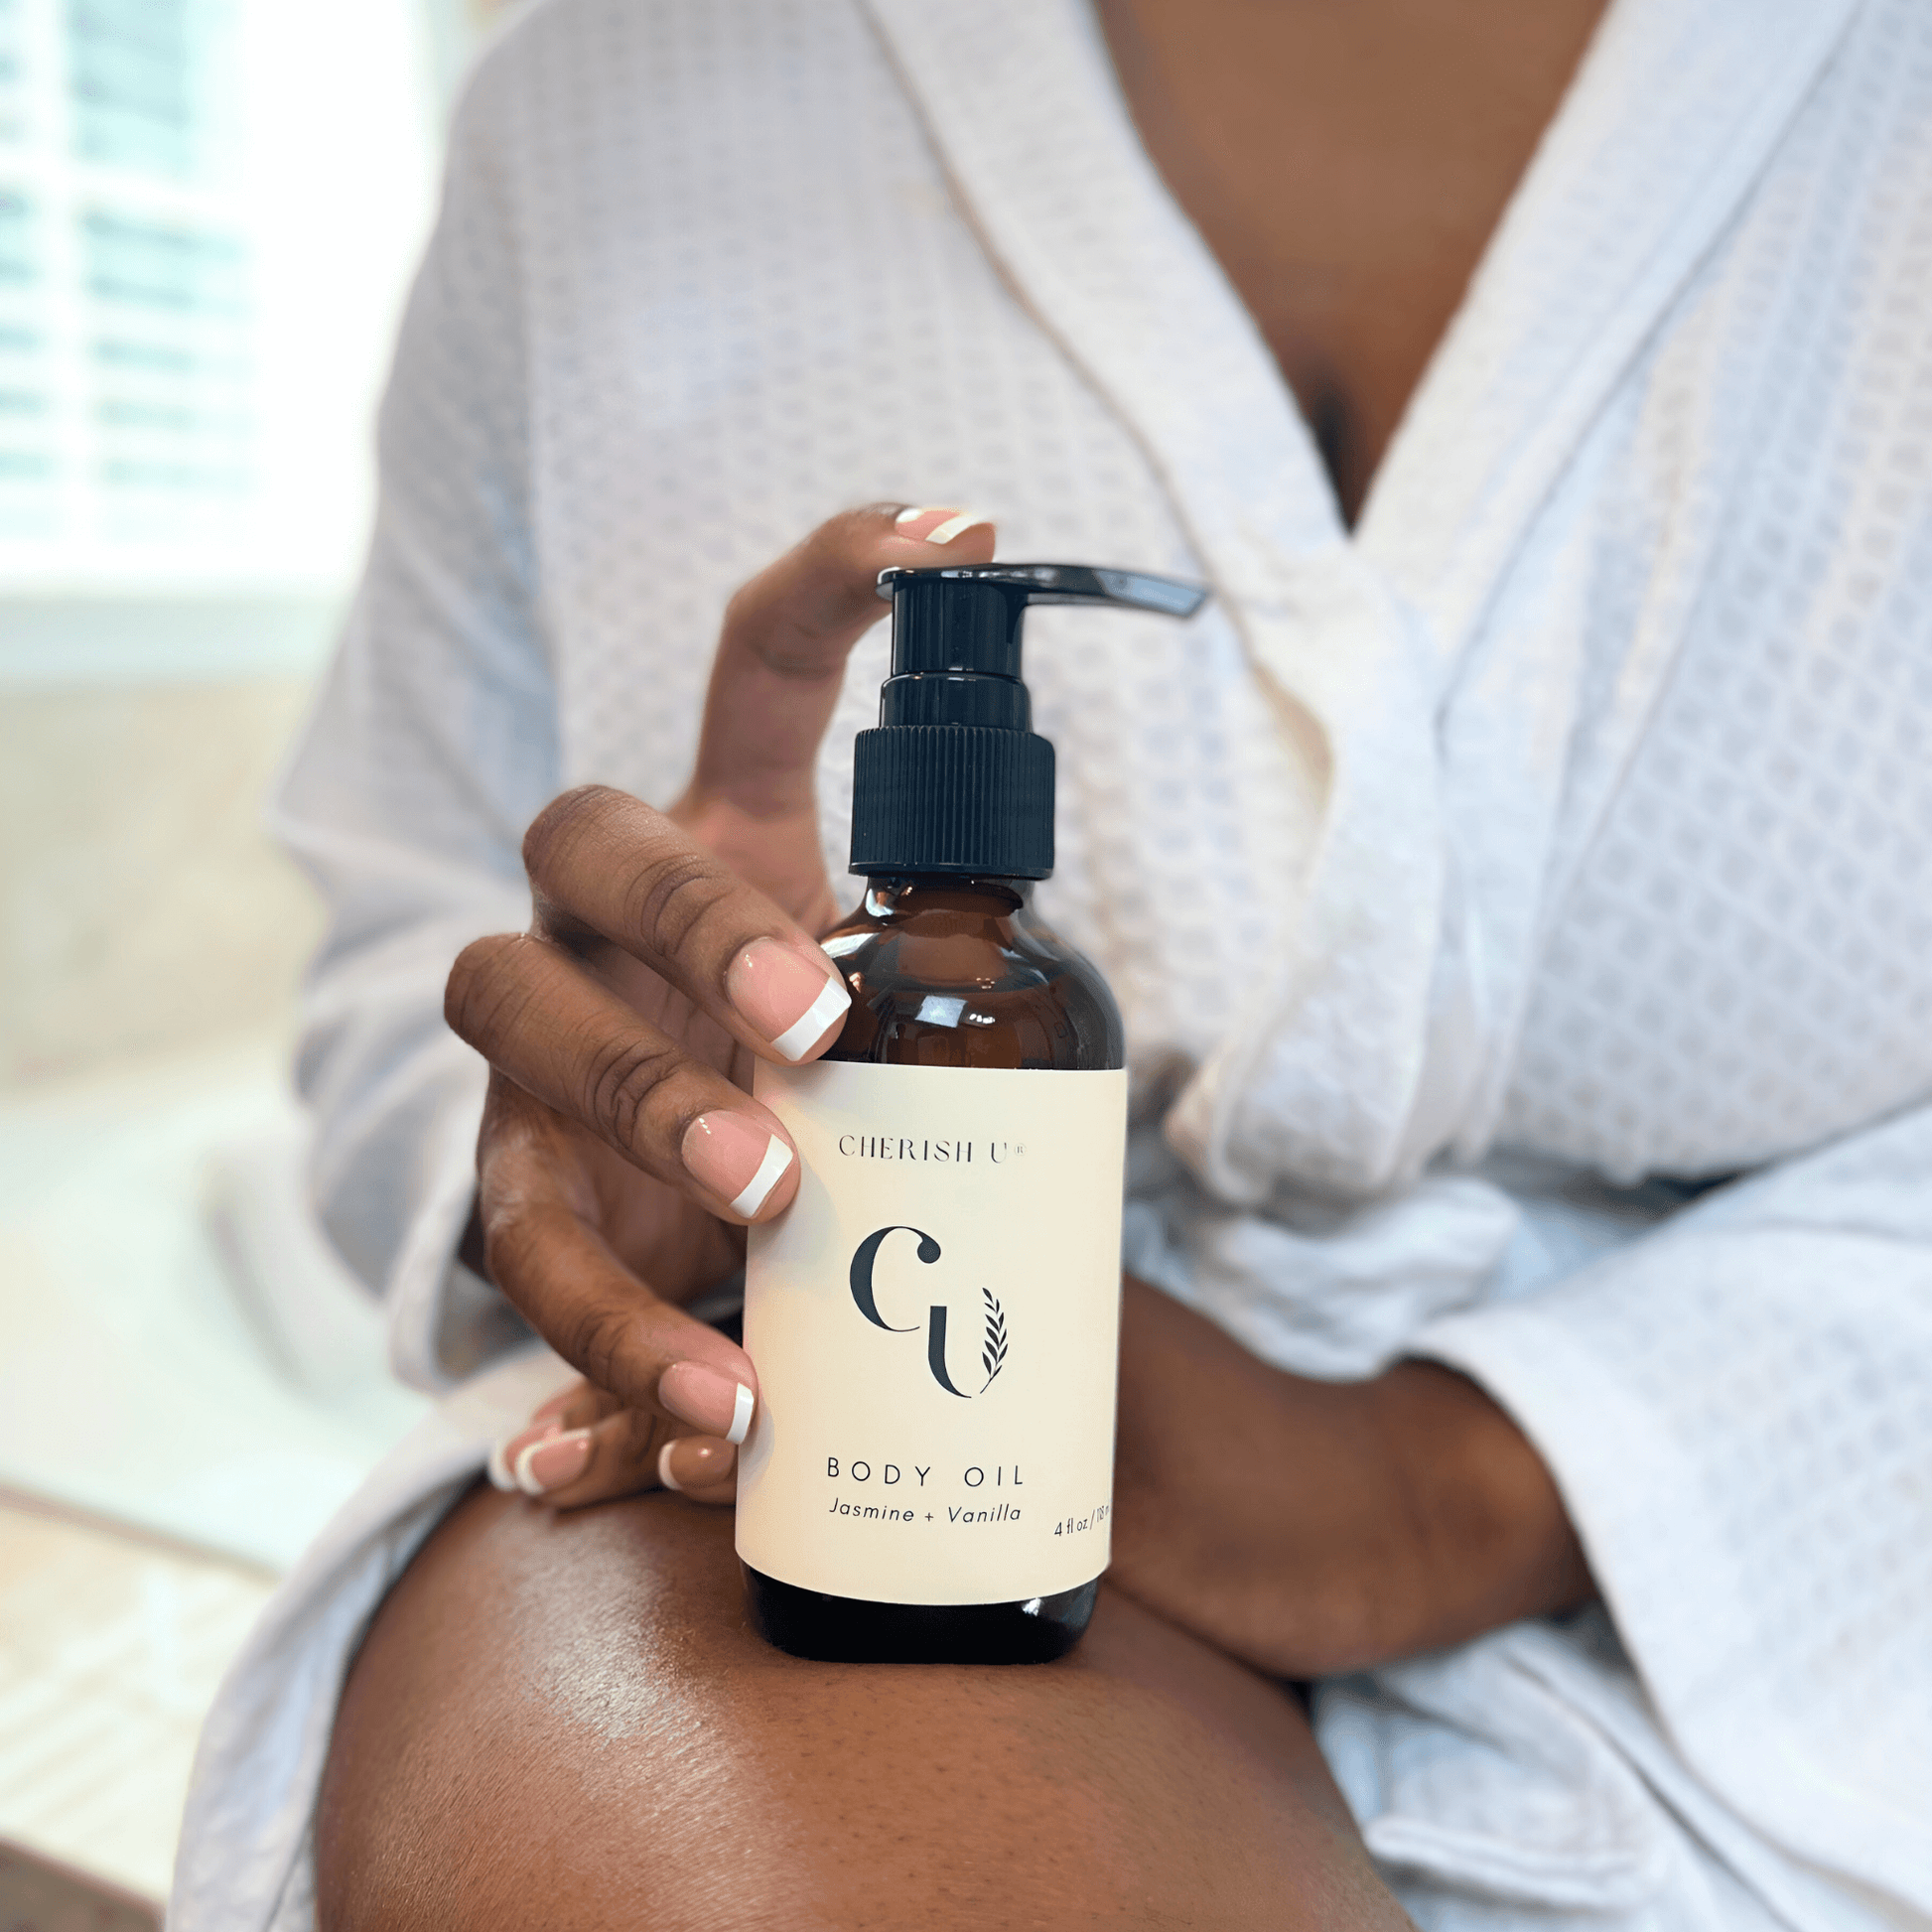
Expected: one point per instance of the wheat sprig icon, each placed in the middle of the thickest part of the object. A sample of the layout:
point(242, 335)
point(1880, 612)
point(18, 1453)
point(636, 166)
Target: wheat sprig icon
point(992, 1354)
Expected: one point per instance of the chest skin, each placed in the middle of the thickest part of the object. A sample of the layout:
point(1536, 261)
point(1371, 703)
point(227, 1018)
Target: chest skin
point(1347, 161)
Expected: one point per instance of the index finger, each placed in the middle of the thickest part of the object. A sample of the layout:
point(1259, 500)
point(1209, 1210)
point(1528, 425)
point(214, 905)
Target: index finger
point(605, 868)
point(670, 889)
point(786, 636)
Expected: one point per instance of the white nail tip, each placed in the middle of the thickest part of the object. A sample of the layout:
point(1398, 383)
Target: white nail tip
point(952, 526)
point(500, 1470)
point(740, 1416)
point(757, 1191)
point(525, 1479)
point(802, 1035)
point(665, 1474)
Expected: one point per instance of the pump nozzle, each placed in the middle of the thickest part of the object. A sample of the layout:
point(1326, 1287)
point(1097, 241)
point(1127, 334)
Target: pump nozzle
point(1065, 584)
point(954, 780)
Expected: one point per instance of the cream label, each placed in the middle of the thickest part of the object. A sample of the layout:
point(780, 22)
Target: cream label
point(935, 1324)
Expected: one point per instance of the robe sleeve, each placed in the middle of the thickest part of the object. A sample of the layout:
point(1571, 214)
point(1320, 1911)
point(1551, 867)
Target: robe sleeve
point(432, 744)
point(1738, 1409)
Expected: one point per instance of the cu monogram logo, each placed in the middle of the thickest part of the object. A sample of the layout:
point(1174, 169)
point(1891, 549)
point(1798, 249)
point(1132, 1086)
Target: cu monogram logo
point(992, 1348)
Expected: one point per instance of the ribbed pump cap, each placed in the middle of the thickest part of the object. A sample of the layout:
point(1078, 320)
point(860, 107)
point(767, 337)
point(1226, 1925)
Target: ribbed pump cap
point(954, 780)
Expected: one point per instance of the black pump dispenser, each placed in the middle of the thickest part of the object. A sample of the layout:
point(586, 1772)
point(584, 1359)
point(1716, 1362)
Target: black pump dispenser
point(963, 1000)
point(954, 779)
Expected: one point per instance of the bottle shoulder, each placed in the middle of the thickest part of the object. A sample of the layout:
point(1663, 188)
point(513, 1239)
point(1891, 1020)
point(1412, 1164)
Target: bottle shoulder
point(942, 980)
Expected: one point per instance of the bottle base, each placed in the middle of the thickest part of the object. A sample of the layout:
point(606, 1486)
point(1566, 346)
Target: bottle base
point(850, 1630)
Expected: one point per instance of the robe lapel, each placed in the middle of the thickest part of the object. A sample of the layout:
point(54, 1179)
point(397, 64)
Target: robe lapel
point(1020, 100)
point(1485, 518)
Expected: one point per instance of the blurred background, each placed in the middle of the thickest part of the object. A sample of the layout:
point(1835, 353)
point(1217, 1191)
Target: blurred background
point(209, 211)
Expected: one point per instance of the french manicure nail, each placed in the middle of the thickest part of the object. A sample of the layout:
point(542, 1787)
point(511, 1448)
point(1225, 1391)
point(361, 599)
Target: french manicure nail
point(792, 999)
point(737, 1158)
point(554, 1462)
point(707, 1399)
point(954, 525)
point(949, 521)
point(811, 1026)
point(501, 1465)
point(703, 1459)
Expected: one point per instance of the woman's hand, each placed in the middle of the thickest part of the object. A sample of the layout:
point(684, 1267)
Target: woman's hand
point(621, 1157)
point(1310, 1527)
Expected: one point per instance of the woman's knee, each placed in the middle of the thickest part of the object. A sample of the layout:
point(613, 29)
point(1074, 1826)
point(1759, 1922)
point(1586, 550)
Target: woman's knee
point(565, 1722)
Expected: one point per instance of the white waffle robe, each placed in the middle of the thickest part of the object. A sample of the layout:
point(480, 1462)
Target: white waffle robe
point(1566, 826)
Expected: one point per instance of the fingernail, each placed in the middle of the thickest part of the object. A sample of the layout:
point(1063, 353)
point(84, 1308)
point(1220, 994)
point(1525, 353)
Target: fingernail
point(789, 999)
point(707, 1399)
point(951, 521)
point(502, 1458)
point(551, 1464)
point(737, 1158)
point(694, 1462)
point(954, 525)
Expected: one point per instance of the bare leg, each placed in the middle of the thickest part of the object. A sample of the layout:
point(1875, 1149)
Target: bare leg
point(564, 1723)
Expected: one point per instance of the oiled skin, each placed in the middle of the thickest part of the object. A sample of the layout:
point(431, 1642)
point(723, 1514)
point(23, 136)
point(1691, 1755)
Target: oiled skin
point(560, 1721)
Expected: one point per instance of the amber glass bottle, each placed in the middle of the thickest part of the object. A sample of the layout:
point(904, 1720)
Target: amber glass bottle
point(934, 1319)
point(952, 972)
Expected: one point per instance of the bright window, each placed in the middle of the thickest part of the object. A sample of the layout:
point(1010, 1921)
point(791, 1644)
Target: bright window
point(209, 212)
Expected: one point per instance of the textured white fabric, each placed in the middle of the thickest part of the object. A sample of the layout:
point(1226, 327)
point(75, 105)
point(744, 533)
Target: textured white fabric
point(246, 1855)
point(1576, 805)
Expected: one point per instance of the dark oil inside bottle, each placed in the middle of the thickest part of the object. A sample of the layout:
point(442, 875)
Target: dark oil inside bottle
point(951, 972)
